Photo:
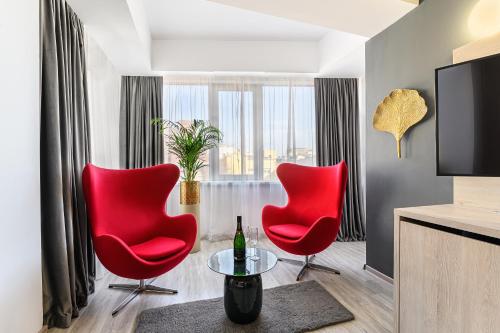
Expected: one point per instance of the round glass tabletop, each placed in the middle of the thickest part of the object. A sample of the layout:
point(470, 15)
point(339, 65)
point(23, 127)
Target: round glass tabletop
point(223, 262)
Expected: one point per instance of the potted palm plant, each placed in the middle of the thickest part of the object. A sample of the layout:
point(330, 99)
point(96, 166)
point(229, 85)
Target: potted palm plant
point(188, 143)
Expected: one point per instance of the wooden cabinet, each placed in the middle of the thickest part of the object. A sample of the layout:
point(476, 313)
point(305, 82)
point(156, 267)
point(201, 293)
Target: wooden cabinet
point(446, 279)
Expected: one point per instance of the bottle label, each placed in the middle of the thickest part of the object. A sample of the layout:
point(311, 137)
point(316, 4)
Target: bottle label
point(239, 254)
point(239, 242)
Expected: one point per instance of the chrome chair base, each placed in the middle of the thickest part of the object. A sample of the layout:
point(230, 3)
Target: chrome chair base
point(307, 264)
point(137, 289)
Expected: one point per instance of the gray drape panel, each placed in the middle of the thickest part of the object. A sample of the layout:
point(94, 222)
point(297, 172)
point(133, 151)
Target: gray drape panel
point(337, 138)
point(67, 255)
point(141, 145)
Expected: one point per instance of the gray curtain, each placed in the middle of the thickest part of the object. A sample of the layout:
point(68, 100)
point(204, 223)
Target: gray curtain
point(68, 266)
point(337, 139)
point(141, 145)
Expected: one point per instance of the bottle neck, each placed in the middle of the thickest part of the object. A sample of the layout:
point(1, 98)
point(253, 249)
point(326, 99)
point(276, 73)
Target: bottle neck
point(238, 226)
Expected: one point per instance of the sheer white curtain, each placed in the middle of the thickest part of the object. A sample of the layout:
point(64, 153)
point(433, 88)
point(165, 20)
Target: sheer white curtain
point(103, 83)
point(104, 104)
point(265, 121)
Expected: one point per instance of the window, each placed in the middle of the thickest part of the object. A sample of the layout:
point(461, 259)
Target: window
point(264, 122)
point(288, 127)
point(184, 103)
point(234, 117)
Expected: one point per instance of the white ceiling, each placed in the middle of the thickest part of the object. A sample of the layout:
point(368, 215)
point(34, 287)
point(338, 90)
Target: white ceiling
point(363, 17)
point(290, 36)
point(205, 20)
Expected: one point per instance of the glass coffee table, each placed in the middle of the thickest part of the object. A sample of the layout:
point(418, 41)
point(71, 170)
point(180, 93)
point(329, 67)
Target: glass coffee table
point(243, 283)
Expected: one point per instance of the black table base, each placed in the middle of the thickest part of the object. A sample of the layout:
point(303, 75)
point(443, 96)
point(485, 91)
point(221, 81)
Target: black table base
point(243, 298)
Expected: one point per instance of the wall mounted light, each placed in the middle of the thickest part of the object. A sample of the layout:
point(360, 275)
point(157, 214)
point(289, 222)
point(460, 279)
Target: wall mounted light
point(484, 20)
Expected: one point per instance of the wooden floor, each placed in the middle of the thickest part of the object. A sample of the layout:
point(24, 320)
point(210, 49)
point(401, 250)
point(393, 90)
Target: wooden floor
point(366, 296)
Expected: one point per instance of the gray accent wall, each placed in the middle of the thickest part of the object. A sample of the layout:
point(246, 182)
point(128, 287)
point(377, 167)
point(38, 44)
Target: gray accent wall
point(405, 56)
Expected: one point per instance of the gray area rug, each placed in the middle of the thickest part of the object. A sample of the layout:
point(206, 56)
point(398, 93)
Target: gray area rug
point(297, 307)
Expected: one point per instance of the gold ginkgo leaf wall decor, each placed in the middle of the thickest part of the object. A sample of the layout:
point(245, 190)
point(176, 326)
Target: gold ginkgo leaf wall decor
point(399, 111)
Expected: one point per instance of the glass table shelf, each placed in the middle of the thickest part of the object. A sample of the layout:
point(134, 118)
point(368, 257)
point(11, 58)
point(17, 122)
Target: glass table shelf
point(223, 262)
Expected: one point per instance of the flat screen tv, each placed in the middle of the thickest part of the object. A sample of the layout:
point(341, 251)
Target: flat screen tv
point(468, 118)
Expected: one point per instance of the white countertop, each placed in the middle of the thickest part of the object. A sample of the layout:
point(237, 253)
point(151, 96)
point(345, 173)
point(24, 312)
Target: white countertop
point(476, 220)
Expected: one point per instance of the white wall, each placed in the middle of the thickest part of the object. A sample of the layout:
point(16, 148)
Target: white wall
point(20, 249)
point(120, 29)
point(139, 19)
point(342, 54)
point(236, 56)
point(350, 64)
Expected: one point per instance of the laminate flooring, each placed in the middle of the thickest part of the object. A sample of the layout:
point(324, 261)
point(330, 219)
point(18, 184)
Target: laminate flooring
point(368, 297)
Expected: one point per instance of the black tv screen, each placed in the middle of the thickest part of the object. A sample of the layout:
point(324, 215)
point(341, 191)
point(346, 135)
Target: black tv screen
point(468, 118)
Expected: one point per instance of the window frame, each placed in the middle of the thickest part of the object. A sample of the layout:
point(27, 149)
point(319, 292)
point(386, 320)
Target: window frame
point(257, 90)
point(214, 115)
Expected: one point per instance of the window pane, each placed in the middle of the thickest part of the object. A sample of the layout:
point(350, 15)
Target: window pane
point(263, 124)
point(248, 135)
point(275, 128)
point(236, 150)
point(288, 127)
point(185, 103)
point(305, 141)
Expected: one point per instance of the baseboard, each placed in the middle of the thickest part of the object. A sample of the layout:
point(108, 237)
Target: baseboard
point(378, 274)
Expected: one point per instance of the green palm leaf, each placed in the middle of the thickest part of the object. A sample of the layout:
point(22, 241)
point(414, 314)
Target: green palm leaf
point(188, 143)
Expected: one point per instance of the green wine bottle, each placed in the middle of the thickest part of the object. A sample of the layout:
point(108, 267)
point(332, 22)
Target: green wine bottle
point(239, 242)
point(240, 268)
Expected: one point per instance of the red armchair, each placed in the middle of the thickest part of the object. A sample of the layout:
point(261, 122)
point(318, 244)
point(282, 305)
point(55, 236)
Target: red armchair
point(132, 234)
point(310, 221)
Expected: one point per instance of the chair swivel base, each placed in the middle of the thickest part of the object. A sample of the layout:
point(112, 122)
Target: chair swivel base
point(136, 290)
point(307, 264)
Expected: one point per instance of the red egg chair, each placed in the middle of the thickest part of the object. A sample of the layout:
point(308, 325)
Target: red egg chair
point(133, 236)
point(309, 223)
